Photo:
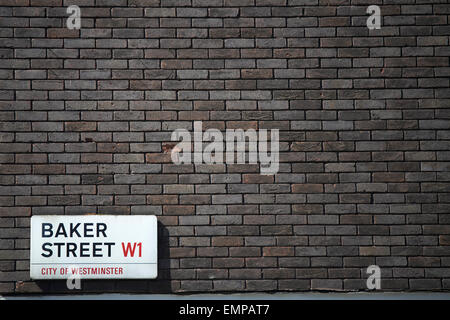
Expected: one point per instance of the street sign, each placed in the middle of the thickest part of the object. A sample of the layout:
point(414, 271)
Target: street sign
point(93, 247)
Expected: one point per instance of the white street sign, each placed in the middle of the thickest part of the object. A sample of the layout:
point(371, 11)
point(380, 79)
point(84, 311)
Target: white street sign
point(93, 247)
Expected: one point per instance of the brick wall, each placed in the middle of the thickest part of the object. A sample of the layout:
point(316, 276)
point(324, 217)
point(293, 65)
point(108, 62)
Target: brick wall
point(86, 118)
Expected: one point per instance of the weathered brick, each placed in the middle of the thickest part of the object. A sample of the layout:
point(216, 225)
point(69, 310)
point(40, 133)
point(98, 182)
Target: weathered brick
point(87, 117)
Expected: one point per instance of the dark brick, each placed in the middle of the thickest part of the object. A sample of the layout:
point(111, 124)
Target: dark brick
point(87, 116)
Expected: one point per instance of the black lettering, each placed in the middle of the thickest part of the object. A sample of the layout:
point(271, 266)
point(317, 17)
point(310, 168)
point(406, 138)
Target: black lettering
point(96, 249)
point(84, 247)
point(109, 245)
point(87, 229)
point(61, 231)
point(101, 228)
point(71, 247)
point(74, 230)
point(59, 245)
point(47, 230)
point(45, 248)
